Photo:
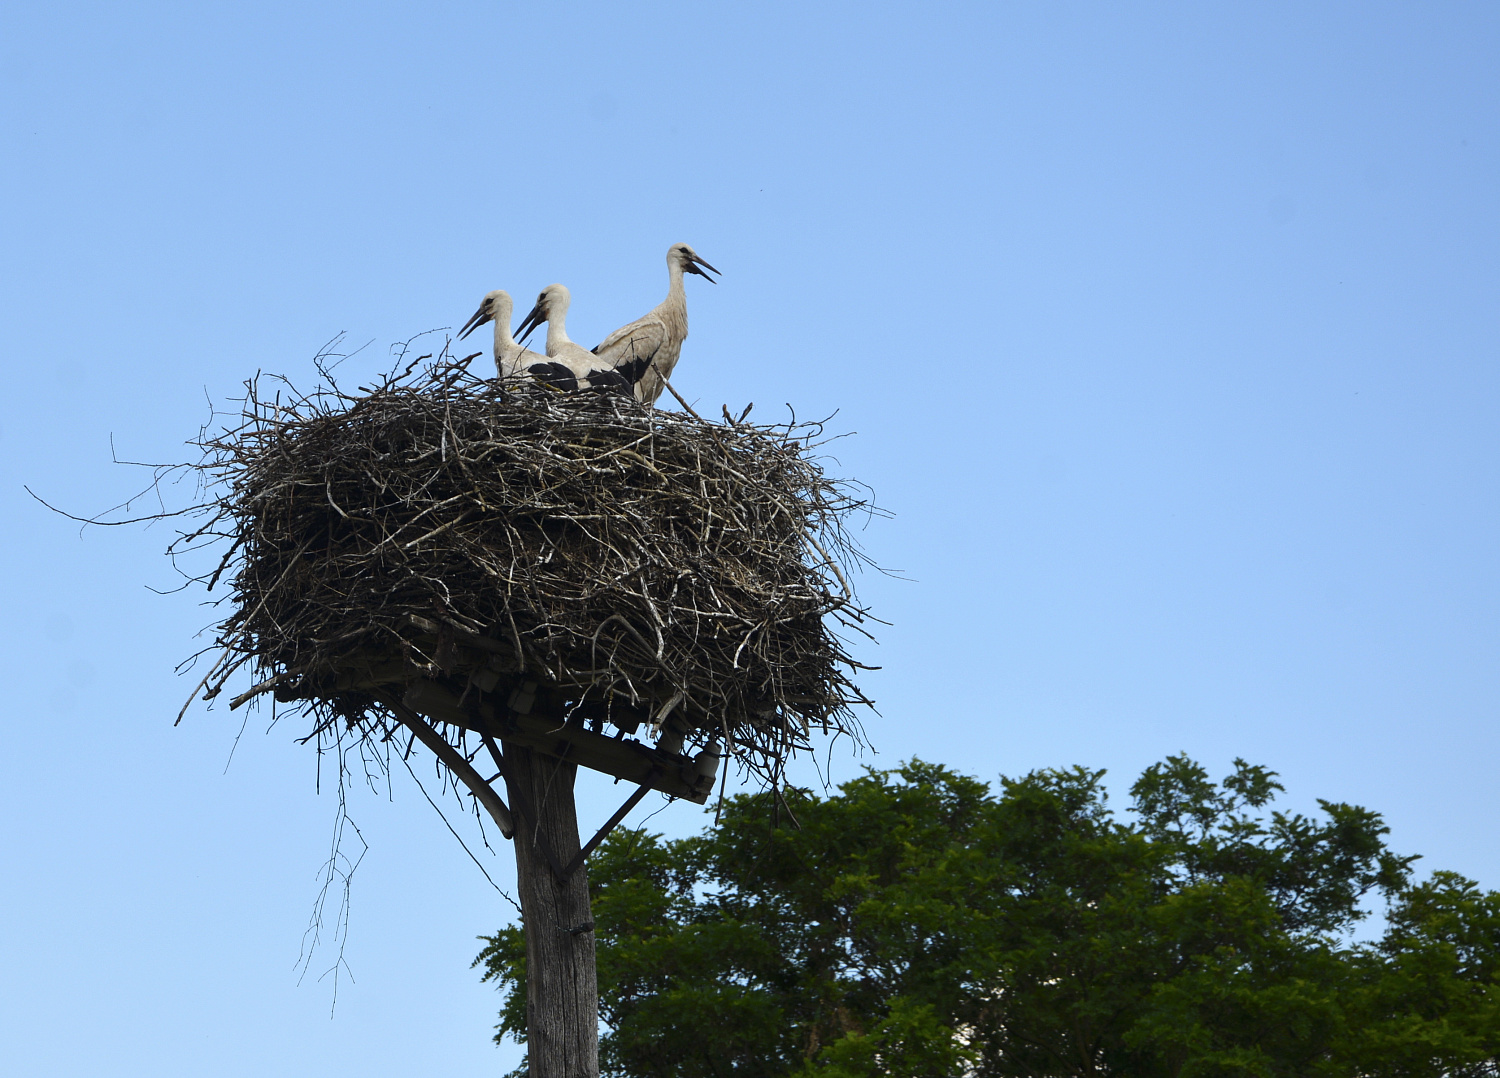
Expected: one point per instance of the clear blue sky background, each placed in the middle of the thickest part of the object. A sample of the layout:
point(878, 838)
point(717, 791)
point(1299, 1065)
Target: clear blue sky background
point(1168, 332)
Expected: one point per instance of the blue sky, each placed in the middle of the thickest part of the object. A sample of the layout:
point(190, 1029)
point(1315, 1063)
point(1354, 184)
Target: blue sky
point(1168, 333)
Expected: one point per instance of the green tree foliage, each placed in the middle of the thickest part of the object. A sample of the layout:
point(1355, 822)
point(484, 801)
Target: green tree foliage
point(920, 925)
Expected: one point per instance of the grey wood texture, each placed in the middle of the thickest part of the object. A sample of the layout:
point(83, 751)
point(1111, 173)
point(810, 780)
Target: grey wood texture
point(562, 994)
point(624, 759)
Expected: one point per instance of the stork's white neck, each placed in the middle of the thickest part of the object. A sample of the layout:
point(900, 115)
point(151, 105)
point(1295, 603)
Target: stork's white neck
point(673, 309)
point(504, 342)
point(674, 280)
point(557, 333)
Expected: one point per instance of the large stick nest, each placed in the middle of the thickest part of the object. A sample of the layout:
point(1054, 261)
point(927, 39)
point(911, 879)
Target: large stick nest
point(642, 566)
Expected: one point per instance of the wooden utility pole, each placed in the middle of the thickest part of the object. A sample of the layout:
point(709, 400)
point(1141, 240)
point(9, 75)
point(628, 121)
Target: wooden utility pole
point(539, 760)
point(562, 989)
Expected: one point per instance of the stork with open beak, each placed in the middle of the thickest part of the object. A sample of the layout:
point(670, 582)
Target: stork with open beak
point(511, 359)
point(552, 308)
point(646, 351)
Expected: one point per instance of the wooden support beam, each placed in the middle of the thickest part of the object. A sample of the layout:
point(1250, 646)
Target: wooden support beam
point(453, 760)
point(625, 759)
point(600, 835)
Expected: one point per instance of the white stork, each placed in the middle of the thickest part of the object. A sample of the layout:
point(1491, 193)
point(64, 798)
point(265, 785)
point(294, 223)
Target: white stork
point(552, 308)
point(572, 369)
point(646, 350)
point(511, 359)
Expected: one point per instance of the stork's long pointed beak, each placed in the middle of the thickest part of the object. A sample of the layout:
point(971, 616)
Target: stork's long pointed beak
point(529, 324)
point(697, 265)
point(479, 319)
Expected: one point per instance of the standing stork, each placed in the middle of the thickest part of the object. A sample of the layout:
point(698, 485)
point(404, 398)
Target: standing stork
point(646, 350)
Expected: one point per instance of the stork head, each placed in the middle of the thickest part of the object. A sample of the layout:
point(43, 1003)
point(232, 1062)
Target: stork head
point(552, 303)
point(680, 254)
point(495, 307)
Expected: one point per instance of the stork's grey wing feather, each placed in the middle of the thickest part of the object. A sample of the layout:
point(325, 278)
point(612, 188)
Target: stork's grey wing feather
point(641, 339)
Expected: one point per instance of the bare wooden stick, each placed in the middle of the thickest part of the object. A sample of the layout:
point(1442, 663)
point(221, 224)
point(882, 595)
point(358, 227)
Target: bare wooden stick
point(600, 835)
point(255, 690)
point(454, 762)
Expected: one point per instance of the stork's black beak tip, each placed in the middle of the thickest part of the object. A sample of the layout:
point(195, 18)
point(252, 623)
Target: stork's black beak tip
point(476, 320)
point(529, 323)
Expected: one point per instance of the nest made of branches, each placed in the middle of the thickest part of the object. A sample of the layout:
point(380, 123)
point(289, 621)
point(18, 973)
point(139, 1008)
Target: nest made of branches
point(641, 566)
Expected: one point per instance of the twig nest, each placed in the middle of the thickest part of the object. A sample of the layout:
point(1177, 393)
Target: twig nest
point(577, 554)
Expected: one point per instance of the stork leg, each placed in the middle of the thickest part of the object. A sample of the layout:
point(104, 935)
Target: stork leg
point(562, 991)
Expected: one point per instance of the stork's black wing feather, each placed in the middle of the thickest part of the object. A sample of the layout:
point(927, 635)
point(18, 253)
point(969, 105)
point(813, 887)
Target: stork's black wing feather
point(633, 370)
point(604, 379)
point(553, 374)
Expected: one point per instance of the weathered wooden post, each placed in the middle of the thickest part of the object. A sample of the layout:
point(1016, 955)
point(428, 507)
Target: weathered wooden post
point(525, 582)
point(562, 1003)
